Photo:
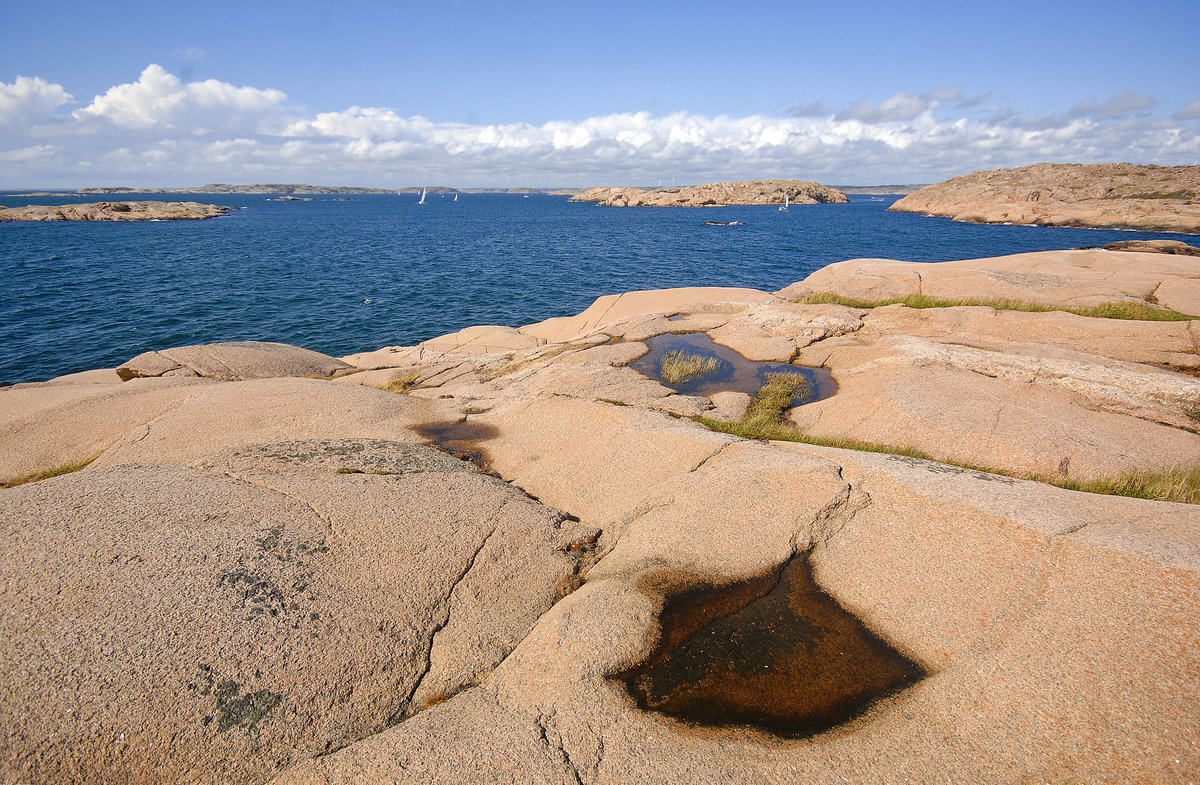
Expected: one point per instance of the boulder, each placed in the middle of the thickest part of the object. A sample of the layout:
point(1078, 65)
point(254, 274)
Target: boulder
point(232, 361)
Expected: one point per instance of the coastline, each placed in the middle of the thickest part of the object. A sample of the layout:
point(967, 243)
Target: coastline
point(299, 505)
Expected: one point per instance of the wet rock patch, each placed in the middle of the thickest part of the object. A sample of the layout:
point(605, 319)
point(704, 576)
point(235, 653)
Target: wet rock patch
point(784, 657)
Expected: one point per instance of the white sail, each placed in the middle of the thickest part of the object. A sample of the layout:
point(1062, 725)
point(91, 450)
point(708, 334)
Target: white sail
point(422, 201)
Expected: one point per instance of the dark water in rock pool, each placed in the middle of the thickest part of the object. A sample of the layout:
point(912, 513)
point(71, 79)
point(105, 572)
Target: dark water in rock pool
point(734, 372)
point(345, 276)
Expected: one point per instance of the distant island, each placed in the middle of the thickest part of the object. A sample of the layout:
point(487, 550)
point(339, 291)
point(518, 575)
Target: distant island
point(880, 190)
point(258, 188)
point(114, 211)
point(1099, 196)
point(313, 190)
point(745, 192)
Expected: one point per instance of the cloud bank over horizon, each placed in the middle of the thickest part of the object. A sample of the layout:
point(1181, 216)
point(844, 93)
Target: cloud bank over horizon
point(161, 130)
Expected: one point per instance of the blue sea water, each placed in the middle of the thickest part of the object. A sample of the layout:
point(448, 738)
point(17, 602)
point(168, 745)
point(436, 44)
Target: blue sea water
point(346, 276)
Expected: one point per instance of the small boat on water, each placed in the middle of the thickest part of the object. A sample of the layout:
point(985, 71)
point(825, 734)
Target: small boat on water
point(455, 198)
point(783, 207)
point(422, 200)
point(724, 223)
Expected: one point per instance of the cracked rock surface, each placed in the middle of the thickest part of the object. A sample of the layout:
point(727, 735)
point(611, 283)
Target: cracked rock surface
point(233, 618)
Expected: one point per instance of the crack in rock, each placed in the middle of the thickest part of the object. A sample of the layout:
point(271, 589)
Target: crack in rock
point(556, 746)
point(448, 606)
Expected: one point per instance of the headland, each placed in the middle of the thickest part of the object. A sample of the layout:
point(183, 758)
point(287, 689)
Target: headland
point(1100, 196)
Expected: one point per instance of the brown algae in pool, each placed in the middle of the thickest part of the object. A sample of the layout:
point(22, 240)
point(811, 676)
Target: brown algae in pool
point(791, 660)
point(733, 371)
point(460, 439)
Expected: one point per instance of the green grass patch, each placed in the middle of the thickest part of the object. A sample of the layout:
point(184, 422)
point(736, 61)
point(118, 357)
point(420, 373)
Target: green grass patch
point(1177, 484)
point(766, 420)
point(401, 384)
point(679, 367)
point(45, 474)
point(1136, 311)
point(341, 374)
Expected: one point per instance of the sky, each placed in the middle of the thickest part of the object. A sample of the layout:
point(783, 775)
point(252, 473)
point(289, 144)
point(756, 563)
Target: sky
point(573, 94)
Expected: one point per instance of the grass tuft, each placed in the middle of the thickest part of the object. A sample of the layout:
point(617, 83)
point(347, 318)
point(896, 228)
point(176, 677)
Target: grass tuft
point(679, 367)
point(45, 474)
point(1137, 311)
point(401, 384)
point(1177, 484)
point(341, 374)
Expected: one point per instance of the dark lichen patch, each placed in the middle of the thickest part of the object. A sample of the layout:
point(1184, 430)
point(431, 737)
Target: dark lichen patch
point(345, 456)
point(245, 711)
point(285, 549)
point(257, 592)
point(730, 372)
point(776, 652)
point(461, 440)
point(232, 709)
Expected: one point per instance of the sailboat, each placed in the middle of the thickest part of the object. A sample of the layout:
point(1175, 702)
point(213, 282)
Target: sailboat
point(422, 201)
point(456, 197)
point(783, 207)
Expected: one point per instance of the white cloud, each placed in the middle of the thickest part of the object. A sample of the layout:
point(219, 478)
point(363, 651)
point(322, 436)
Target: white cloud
point(32, 154)
point(29, 100)
point(161, 130)
point(159, 98)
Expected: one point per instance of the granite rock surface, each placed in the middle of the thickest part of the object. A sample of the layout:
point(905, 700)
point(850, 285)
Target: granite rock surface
point(472, 626)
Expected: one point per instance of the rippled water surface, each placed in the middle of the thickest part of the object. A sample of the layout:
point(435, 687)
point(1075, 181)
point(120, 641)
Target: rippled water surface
point(346, 276)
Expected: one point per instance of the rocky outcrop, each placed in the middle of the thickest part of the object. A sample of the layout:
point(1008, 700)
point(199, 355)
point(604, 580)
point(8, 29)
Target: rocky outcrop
point(465, 632)
point(1101, 196)
point(1062, 279)
point(232, 361)
point(114, 211)
point(713, 194)
point(1173, 247)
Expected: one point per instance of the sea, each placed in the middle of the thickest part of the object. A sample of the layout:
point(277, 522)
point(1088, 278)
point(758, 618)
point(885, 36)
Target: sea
point(349, 273)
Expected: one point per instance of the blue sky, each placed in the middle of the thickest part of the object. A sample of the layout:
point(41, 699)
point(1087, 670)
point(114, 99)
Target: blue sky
point(571, 93)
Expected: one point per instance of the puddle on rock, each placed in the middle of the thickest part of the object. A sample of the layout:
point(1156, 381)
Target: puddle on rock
point(790, 660)
point(734, 373)
point(461, 439)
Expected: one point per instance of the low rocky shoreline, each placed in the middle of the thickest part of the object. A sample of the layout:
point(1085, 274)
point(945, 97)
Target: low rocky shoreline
point(115, 211)
point(1099, 196)
point(715, 194)
point(255, 566)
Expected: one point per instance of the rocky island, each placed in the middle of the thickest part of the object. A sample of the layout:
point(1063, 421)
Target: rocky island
point(115, 211)
point(252, 562)
point(1100, 196)
point(714, 194)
